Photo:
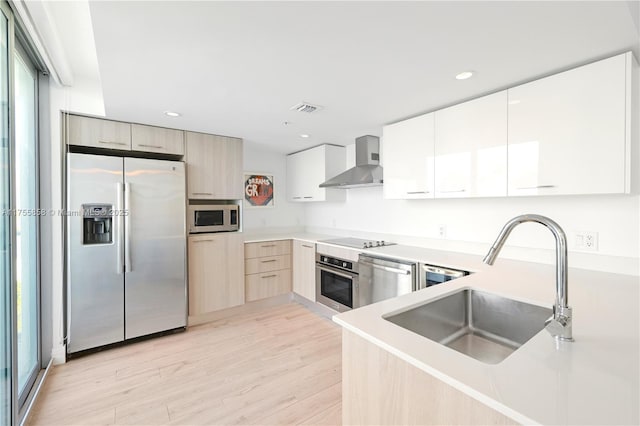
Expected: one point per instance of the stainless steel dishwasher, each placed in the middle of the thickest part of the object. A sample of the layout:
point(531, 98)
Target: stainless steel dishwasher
point(383, 278)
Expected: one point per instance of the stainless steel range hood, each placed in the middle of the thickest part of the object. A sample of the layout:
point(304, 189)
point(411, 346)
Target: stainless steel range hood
point(367, 171)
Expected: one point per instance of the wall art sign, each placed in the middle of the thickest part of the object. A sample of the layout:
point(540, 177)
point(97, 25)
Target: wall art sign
point(258, 190)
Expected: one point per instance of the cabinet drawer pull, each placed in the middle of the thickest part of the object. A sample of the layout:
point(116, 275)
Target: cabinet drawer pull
point(269, 276)
point(296, 198)
point(202, 193)
point(268, 261)
point(202, 241)
point(150, 146)
point(113, 143)
point(308, 198)
point(268, 245)
point(418, 192)
point(304, 245)
point(451, 192)
point(537, 187)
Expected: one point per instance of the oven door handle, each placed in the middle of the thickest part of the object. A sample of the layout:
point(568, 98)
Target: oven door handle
point(333, 271)
point(386, 268)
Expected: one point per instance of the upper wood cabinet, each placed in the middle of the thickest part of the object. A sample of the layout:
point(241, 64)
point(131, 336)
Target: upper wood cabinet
point(216, 272)
point(471, 148)
point(98, 133)
point(214, 167)
point(571, 133)
point(306, 170)
point(408, 158)
point(304, 269)
point(157, 139)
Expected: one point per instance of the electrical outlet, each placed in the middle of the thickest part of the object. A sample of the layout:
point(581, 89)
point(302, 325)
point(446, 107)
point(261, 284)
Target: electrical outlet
point(586, 240)
point(442, 231)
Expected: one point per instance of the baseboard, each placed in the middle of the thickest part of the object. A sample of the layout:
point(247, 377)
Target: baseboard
point(315, 307)
point(259, 305)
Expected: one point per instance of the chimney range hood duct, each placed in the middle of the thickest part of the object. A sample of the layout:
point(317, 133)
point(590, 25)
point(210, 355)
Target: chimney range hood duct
point(367, 171)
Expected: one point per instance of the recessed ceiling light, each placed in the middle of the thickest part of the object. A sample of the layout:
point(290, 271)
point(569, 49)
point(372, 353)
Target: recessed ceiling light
point(172, 114)
point(304, 135)
point(464, 75)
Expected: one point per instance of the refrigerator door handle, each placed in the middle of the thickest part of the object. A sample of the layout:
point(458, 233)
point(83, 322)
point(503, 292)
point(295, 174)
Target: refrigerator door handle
point(118, 219)
point(127, 228)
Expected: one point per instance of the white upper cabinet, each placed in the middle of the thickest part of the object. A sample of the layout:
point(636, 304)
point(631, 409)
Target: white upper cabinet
point(98, 133)
point(570, 133)
point(407, 156)
point(306, 170)
point(157, 139)
point(471, 148)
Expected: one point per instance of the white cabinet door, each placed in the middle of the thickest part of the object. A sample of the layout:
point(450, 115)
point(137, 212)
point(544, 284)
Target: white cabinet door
point(471, 148)
point(407, 156)
point(306, 170)
point(567, 131)
point(98, 133)
point(157, 139)
point(304, 269)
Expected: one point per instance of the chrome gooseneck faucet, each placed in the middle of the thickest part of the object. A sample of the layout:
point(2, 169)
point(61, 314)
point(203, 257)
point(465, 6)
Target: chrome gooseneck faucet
point(559, 325)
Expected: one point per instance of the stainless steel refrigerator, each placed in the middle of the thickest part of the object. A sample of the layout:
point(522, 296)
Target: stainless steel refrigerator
point(126, 249)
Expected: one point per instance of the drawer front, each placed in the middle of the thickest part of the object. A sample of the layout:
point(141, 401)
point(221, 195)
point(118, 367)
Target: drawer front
point(157, 139)
point(267, 248)
point(95, 132)
point(257, 265)
point(268, 284)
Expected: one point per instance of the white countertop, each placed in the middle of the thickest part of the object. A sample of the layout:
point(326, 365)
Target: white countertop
point(594, 380)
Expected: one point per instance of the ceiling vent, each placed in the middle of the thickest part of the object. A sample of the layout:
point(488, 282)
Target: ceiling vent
point(306, 107)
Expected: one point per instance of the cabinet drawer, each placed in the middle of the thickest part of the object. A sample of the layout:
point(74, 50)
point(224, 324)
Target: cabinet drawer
point(268, 284)
point(157, 139)
point(95, 132)
point(257, 265)
point(267, 248)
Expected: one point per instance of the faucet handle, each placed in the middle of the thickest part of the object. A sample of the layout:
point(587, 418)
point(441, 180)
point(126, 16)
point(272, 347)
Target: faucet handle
point(559, 324)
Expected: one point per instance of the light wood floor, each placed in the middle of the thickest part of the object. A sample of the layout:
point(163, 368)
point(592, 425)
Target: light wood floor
point(279, 366)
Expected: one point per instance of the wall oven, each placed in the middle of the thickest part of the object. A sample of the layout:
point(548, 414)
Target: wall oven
point(336, 282)
point(213, 218)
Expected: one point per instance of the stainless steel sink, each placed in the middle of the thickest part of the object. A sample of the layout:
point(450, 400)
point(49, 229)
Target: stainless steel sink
point(481, 325)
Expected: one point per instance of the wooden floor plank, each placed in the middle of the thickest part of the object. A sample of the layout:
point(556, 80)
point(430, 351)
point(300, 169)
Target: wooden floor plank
point(281, 365)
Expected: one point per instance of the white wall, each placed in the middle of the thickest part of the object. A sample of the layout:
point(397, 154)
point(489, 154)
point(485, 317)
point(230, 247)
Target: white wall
point(80, 99)
point(284, 214)
point(473, 224)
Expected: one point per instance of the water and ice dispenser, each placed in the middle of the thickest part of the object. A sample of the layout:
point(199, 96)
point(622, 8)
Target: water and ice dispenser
point(97, 224)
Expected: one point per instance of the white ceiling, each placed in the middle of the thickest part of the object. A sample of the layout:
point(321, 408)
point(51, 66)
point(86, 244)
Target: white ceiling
point(235, 68)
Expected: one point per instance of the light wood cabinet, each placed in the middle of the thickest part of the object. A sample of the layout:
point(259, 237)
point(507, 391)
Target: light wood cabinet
point(216, 272)
point(408, 158)
point(214, 167)
point(378, 388)
point(98, 133)
point(267, 248)
point(267, 284)
point(306, 170)
point(471, 148)
point(157, 139)
point(268, 271)
point(258, 265)
point(570, 133)
point(304, 269)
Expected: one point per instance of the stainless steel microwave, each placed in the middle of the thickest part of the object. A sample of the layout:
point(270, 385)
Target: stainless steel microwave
point(213, 218)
